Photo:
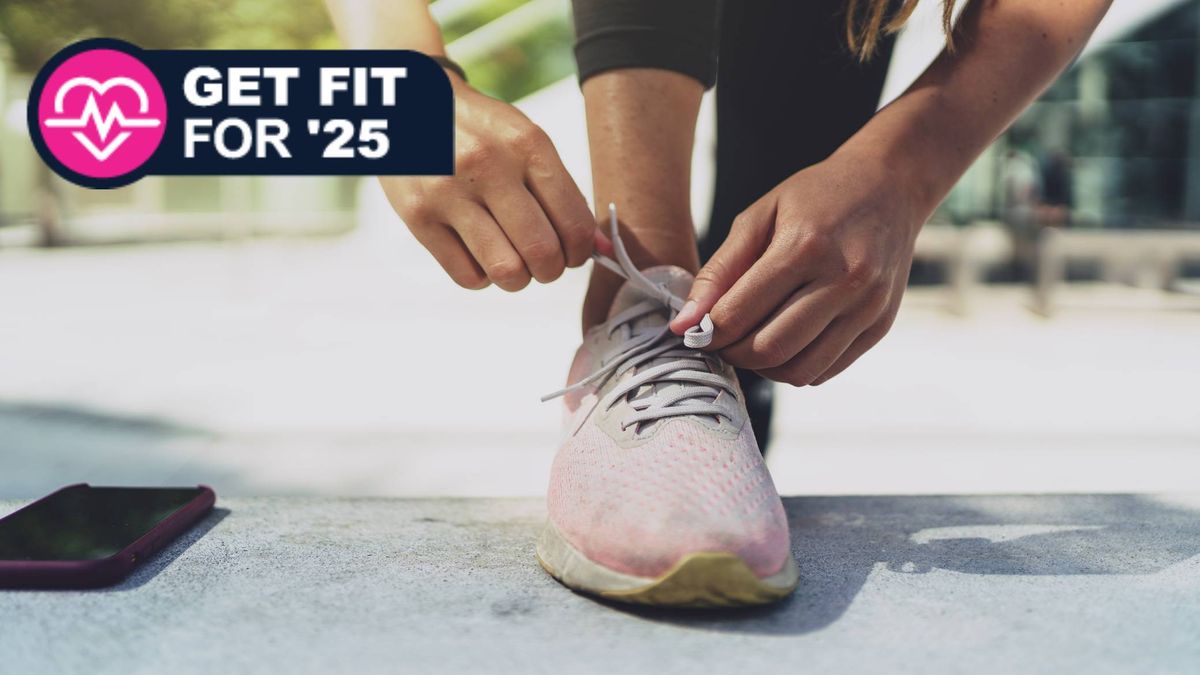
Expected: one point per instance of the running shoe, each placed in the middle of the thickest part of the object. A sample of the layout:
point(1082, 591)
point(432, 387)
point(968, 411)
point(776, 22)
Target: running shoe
point(659, 494)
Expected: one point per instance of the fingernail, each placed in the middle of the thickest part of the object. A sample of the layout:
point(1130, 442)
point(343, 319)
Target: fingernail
point(688, 307)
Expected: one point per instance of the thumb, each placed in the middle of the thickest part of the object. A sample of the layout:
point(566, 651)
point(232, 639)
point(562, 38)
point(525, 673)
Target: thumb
point(737, 254)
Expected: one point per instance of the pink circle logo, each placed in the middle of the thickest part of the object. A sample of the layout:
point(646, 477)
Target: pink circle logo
point(101, 113)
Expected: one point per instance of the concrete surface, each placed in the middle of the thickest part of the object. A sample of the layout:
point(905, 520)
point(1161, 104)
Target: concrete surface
point(1030, 584)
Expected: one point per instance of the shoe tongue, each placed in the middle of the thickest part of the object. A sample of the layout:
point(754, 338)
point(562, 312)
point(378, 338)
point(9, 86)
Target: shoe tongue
point(676, 279)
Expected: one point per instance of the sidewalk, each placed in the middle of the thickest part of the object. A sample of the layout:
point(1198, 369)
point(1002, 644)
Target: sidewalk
point(1078, 584)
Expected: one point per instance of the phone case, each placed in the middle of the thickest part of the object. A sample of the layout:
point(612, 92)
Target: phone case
point(106, 571)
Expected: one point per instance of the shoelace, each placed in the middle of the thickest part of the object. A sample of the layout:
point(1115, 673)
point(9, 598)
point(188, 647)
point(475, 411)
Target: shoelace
point(698, 386)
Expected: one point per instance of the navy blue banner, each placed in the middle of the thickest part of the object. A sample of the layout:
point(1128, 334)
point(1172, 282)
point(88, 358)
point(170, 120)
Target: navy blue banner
point(103, 113)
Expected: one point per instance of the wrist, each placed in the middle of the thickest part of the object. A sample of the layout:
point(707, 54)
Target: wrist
point(900, 184)
point(917, 151)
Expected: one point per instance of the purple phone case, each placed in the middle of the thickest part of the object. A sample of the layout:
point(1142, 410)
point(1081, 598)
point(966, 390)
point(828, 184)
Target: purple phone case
point(106, 571)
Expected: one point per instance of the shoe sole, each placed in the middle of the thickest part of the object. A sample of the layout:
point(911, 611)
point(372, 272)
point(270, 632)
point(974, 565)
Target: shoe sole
point(701, 579)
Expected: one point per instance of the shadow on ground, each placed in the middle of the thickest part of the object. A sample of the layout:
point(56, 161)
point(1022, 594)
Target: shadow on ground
point(839, 541)
point(146, 572)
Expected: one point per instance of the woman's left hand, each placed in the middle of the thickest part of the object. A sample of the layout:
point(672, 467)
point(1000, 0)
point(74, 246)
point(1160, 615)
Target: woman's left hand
point(812, 273)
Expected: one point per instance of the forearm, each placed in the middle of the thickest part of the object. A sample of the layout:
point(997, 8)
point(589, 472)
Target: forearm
point(1008, 52)
point(386, 24)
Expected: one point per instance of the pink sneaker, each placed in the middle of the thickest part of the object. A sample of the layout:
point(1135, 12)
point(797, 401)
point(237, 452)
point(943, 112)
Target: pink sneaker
point(659, 494)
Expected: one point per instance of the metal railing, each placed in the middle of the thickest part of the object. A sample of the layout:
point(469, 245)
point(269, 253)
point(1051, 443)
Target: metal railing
point(517, 24)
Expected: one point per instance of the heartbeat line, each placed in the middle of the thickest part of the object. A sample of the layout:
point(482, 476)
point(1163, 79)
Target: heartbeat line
point(104, 124)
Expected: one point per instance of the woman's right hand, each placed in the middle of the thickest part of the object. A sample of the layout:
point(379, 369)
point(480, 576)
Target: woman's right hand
point(509, 213)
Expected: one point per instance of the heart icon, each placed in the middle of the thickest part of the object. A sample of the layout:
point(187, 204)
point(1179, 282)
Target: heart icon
point(90, 116)
point(101, 113)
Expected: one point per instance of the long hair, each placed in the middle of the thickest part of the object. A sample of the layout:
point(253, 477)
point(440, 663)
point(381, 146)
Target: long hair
point(869, 21)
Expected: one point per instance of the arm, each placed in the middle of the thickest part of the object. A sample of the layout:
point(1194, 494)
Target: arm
point(511, 211)
point(812, 274)
point(1009, 52)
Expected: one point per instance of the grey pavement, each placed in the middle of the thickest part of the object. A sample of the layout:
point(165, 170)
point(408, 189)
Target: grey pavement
point(999, 584)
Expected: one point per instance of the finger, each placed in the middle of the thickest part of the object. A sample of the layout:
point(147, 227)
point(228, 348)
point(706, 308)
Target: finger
point(602, 243)
point(861, 345)
point(563, 203)
point(747, 240)
point(489, 245)
point(525, 224)
point(809, 364)
point(757, 295)
point(452, 254)
point(788, 330)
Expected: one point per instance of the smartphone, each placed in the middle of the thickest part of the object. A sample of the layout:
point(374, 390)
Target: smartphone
point(88, 537)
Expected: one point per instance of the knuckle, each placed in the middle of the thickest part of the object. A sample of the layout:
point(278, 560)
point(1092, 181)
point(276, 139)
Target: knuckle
point(768, 351)
point(549, 274)
point(414, 208)
point(472, 280)
point(877, 332)
point(742, 221)
point(816, 244)
point(517, 284)
point(509, 274)
point(529, 138)
point(711, 273)
point(541, 252)
point(440, 185)
point(861, 273)
point(473, 157)
point(800, 377)
point(878, 300)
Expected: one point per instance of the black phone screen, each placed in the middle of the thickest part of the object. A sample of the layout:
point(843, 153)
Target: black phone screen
point(88, 523)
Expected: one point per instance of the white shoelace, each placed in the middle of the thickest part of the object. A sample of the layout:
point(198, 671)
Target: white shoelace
point(679, 362)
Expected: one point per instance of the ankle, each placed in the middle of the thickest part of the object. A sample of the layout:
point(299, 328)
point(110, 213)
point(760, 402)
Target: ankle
point(675, 247)
point(602, 289)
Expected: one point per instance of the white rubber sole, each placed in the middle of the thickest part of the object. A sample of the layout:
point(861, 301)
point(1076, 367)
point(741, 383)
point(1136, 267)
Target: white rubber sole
point(701, 579)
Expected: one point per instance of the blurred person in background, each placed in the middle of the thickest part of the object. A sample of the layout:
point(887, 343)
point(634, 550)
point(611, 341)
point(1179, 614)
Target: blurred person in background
point(659, 493)
point(1058, 190)
point(1021, 190)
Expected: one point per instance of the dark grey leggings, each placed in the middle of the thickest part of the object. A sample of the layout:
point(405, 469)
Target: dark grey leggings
point(790, 92)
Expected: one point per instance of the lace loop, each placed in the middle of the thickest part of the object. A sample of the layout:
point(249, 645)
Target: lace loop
point(679, 380)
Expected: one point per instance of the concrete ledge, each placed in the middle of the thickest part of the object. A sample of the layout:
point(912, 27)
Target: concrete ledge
point(1151, 258)
point(899, 584)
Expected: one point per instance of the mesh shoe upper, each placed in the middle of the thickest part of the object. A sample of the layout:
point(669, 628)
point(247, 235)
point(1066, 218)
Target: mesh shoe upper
point(658, 458)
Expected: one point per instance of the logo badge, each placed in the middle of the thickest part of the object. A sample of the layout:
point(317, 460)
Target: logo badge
point(100, 113)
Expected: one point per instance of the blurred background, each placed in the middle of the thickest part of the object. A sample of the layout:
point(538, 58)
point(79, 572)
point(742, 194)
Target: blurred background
point(284, 335)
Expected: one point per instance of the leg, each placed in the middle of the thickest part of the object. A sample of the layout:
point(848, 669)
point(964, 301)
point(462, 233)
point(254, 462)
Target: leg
point(718, 535)
point(641, 127)
point(789, 94)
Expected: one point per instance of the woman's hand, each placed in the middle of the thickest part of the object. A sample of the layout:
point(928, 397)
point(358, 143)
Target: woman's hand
point(812, 274)
point(510, 211)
